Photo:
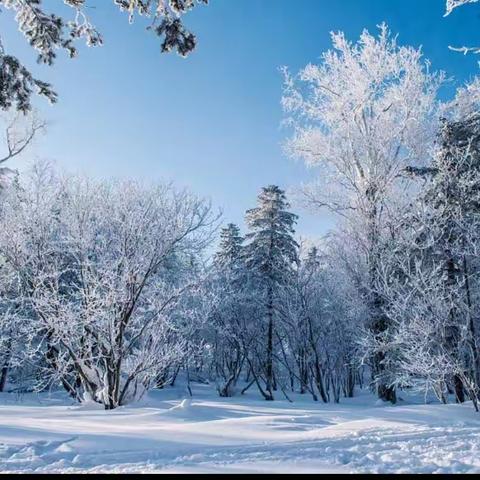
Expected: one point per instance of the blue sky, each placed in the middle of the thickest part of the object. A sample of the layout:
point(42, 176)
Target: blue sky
point(212, 121)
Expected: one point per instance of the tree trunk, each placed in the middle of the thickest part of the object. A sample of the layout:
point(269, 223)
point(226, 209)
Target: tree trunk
point(6, 366)
point(453, 334)
point(350, 383)
point(472, 334)
point(384, 391)
point(379, 321)
point(269, 362)
point(459, 390)
point(4, 375)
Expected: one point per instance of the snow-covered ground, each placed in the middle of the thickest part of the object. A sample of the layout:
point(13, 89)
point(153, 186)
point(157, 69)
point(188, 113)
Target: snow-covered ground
point(164, 433)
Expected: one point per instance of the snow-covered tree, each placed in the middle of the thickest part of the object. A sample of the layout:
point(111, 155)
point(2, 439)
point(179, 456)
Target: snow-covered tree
point(319, 324)
point(229, 317)
point(105, 268)
point(362, 116)
point(229, 252)
point(454, 199)
point(270, 255)
point(19, 133)
point(13, 327)
point(431, 268)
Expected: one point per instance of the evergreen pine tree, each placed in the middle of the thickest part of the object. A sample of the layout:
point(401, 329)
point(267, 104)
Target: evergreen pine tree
point(454, 201)
point(230, 248)
point(269, 257)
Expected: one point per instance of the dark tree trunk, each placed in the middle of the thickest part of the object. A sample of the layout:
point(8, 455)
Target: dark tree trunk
point(379, 320)
point(472, 336)
point(350, 383)
point(453, 334)
point(4, 375)
point(269, 361)
point(385, 392)
point(459, 390)
point(6, 366)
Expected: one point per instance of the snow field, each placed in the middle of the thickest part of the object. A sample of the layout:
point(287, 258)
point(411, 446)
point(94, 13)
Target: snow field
point(166, 433)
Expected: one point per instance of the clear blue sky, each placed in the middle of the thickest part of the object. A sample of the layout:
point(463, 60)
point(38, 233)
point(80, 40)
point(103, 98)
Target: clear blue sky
point(212, 121)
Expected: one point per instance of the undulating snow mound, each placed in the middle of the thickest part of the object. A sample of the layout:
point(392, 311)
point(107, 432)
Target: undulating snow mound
point(170, 433)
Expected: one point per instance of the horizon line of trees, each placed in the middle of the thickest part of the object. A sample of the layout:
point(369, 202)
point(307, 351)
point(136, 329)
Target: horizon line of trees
point(106, 293)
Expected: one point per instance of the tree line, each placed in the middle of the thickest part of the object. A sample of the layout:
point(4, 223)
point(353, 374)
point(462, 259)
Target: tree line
point(106, 292)
point(107, 289)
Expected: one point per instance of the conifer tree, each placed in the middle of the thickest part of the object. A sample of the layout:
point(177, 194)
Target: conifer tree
point(454, 200)
point(229, 315)
point(269, 257)
point(48, 32)
point(230, 248)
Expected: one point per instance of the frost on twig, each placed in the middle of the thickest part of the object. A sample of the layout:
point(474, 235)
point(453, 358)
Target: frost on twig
point(452, 4)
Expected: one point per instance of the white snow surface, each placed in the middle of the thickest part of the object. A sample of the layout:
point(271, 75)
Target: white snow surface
point(169, 433)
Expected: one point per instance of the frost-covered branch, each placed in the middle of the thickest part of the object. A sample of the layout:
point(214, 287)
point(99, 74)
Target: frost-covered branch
point(49, 32)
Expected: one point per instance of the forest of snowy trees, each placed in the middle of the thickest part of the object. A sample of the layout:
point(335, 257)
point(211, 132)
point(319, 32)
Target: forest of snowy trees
point(106, 293)
point(109, 289)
